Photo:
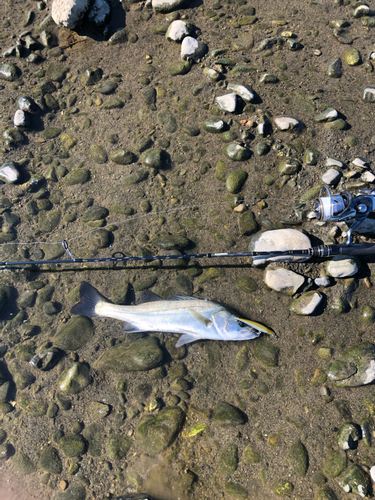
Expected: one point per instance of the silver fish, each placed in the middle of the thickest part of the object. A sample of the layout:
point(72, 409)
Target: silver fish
point(195, 318)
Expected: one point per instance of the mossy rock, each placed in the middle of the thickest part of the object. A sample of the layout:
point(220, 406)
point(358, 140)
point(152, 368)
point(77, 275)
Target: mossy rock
point(298, 458)
point(267, 353)
point(50, 461)
point(72, 445)
point(74, 334)
point(227, 415)
point(118, 446)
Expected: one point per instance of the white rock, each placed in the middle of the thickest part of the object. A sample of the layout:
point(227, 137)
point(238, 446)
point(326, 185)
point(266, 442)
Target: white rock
point(368, 177)
point(21, 119)
point(322, 281)
point(307, 303)
point(177, 31)
point(342, 267)
point(244, 91)
point(286, 122)
point(279, 239)
point(227, 102)
point(368, 94)
point(331, 162)
point(331, 177)
point(283, 280)
point(192, 48)
point(68, 13)
point(358, 162)
point(99, 12)
point(372, 473)
point(312, 305)
point(9, 173)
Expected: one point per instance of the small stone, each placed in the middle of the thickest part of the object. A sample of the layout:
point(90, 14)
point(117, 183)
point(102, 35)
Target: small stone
point(338, 124)
point(236, 180)
point(331, 177)
point(214, 126)
point(356, 480)
point(21, 119)
point(179, 68)
point(283, 280)
point(282, 488)
point(96, 409)
point(247, 224)
point(289, 166)
point(75, 378)
point(311, 156)
point(348, 436)
point(9, 172)
point(352, 57)
point(286, 122)
point(226, 415)
point(166, 6)
point(9, 72)
point(50, 461)
point(227, 102)
point(72, 445)
point(268, 78)
point(117, 447)
point(236, 152)
point(298, 458)
point(342, 267)
point(334, 69)
point(242, 90)
point(192, 49)
point(25, 103)
point(98, 154)
point(307, 304)
point(267, 353)
point(368, 94)
point(74, 334)
point(328, 115)
point(334, 463)
point(178, 30)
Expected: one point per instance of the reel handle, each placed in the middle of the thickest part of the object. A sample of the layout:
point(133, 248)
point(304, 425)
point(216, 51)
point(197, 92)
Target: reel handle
point(349, 250)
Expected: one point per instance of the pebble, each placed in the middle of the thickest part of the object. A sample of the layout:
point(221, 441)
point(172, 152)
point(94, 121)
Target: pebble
point(368, 94)
point(21, 119)
point(25, 103)
point(244, 91)
point(283, 280)
point(334, 69)
point(166, 6)
point(227, 102)
point(279, 239)
point(322, 281)
point(368, 177)
point(331, 162)
point(268, 78)
point(178, 30)
point(192, 49)
point(342, 267)
point(331, 177)
point(328, 115)
point(9, 172)
point(307, 304)
point(286, 122)
point(69, 13)
point(214, 126)
point(236, 152)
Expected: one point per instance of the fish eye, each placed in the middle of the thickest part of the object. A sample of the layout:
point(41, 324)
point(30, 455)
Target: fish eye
point(241, 324)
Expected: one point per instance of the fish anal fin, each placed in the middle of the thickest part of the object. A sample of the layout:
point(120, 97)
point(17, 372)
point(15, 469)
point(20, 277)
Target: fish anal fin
point(186, 338)
point(148, 296)
point(199, 317)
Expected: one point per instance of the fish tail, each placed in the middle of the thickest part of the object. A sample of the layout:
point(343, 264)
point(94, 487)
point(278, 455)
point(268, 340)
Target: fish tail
point(90, 298)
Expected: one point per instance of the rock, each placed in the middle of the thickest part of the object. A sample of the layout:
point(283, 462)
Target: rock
point(268, 43)
point(228, 459)
point(74, 334)
point(121, 36)
point(356, 480)
point(348, 436)
point(122, 157)
point(152, 158)
point(9, 72)
point(368, 93)
point(342, 267)
point(331, 177)
point(334, 69)
point(106, 87)
point(226, 415)
point(298, 458)
point(21, 464)
point(69, 13)
point(358, 367)
point(118, 446)
point(21, 375)
point(283, 122)
point(227, 102)
point(267, 353)
point(98, 154)
point(138, 355)
point(328, 115)
point(282, 488)
point(25, 103)
point(278, 240)
point(178, 30)
point(212, 74)
point(283, 280)
point(338, 124)
point(93, 434)
point(236, 180)
point(352, 57)
point(77, 176)
point(268, 78)
point(247, 224)
point(242, 90)
point(9, 172)
point(192, 49)
point(307, 304)
point(72, 493)
point(36, 407)
point(50, 461)
point(75, 378)
point(179, 68)
point(95, 213)
point(56, 71)
point(236, 152)
point(169, 241)
point(155, 433)
point(311, 156)
point(367, 315)
point(166, 6)
point(214, 125)
point(72, 445)
point(363, 10)
point(289, 166)
point(250, 455)
point(97, 409)
point(21, 119)
point(324, 494)
point(334, 463)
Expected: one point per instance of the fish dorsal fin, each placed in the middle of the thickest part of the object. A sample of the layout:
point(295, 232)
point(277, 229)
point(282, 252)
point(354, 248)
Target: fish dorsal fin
point(183, 297)
point(199, 317)
point(148, 296)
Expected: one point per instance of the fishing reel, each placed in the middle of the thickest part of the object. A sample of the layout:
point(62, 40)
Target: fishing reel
point(344, 206)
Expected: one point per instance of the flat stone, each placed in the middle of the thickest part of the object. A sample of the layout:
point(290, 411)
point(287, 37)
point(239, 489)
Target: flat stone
point(338, 124)
point(214, 125)
point(227, 102)
point(342, 267)
point(335, 68)
point(244, 91)
point(307, 304)
point(178, 30)
point(283, 280)
point(74, 334)
point(283, 122)
point(236, 152)
point(21, 119)
point(328, 115)
point(331, 177)
point(278, 240)
point(226, 415)
point(166, 6)
point(268, 78)
point(289, 166)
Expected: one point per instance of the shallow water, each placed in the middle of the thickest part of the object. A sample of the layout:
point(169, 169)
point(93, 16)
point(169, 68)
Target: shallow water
point(279, 402)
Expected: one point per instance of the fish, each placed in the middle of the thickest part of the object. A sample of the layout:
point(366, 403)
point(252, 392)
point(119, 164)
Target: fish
point(195, 319)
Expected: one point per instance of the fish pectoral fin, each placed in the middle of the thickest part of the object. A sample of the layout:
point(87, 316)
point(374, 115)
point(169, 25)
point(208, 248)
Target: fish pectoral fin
point(199, 317)
point(130, 328)
point(186, 338)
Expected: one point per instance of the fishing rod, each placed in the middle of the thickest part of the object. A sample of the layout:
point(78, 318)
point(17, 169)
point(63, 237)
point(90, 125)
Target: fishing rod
point(342, 206)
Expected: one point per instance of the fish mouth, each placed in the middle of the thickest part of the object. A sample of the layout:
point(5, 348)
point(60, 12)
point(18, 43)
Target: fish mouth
point(258, 326)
